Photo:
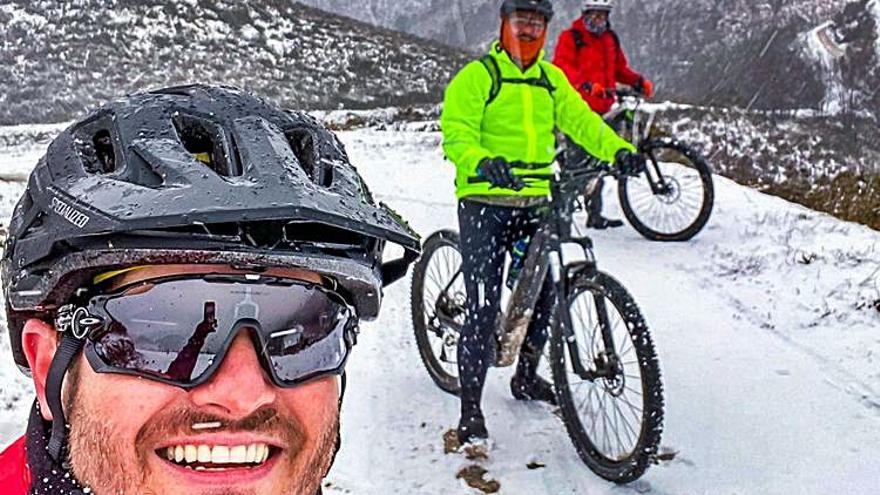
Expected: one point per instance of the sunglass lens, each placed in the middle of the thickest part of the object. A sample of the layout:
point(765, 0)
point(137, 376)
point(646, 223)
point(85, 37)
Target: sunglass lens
point(311, 344)
point(156, 332)
point(176, 330)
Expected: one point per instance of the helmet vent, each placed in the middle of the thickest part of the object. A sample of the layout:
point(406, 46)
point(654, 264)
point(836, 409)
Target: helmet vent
point(322, 235)
point(207, 143)
point(105, 155)
point(302, 143)
point(95, 144)
point(273, 234)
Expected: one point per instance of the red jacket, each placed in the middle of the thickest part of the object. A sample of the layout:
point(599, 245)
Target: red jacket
point(15, 476)
point(599, 59)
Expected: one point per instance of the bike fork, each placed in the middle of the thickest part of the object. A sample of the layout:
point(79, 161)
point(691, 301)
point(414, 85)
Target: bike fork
point(658, 186)
point(562, 281)
point(606, 362)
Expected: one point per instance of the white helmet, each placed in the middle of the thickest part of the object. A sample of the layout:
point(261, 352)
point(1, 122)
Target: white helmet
point(598, 5)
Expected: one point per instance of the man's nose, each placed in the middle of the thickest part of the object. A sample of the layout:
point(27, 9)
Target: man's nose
point(240, 386)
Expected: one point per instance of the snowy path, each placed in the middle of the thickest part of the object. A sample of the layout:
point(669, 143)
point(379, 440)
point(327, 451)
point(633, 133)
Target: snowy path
point(765, 325)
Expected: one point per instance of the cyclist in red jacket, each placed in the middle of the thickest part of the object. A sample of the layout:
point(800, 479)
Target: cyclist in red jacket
point(591, 56)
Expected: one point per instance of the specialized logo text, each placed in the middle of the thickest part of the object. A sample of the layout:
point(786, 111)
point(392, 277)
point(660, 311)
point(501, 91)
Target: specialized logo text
point(69, 213)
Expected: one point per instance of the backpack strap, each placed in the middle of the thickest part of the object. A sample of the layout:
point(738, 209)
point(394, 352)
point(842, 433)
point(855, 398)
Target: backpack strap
point(578, 39)
point(544, 80)
point(491, 66)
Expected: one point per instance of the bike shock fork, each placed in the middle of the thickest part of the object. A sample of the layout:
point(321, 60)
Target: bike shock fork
point(562, 297)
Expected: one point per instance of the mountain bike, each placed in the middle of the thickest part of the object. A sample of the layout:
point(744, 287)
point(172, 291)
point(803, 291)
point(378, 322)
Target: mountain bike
point(604, 366)
point(672, 200)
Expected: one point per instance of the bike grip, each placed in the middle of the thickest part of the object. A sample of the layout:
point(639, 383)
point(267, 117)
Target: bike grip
point(528, 177)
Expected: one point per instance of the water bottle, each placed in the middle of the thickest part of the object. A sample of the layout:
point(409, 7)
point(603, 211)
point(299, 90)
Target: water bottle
point(517, 257)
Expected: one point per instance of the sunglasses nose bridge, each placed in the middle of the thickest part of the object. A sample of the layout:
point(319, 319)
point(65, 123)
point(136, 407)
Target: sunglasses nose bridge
point(245, 324)
point(254, 332)
point(240, 384)
point(259, 340)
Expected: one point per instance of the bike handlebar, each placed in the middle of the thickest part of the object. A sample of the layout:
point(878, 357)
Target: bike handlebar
point(565, 187)
point(531, 177)
point(566, 174)
point(628, 92)
point(623, 92)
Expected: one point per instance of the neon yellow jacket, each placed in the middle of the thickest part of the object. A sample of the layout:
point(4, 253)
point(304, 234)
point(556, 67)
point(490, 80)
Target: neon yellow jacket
point(518, 125)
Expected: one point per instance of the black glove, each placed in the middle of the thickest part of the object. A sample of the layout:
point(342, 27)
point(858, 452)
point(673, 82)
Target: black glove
point(644, 87)
point(630, 163)
point(498, 172)
point(595, 89)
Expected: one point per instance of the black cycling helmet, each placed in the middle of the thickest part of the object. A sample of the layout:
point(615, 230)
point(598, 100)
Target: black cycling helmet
point(544, 7)
point(195, 174)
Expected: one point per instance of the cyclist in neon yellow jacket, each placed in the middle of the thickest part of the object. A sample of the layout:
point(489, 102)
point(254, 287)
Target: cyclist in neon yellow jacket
point(498, 121)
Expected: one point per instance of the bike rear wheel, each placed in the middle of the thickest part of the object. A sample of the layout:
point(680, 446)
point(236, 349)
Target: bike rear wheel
point(673, 199)
point(437, 303)
point(612, 406)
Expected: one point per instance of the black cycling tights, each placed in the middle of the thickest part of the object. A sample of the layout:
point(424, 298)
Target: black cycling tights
point(487, 233)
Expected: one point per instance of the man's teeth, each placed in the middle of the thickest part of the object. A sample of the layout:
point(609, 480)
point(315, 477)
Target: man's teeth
point(255, 453)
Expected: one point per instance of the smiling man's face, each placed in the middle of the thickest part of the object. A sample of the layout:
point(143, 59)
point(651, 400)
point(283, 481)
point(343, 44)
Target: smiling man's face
point(235, 434)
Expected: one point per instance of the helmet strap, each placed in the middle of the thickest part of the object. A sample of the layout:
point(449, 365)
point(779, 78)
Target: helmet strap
point(69, 347)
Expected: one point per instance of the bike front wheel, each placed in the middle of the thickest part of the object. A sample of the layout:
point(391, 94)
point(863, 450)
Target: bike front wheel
point(673, 199)
point(437, 302)
point(607, 378)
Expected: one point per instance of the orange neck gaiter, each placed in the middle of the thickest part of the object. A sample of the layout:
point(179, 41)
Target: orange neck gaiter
point(522, 52)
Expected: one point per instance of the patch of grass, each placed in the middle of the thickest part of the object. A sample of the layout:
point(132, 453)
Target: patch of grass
point(848, 196)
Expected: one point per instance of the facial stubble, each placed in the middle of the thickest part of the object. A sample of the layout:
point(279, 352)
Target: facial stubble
point(97, 461)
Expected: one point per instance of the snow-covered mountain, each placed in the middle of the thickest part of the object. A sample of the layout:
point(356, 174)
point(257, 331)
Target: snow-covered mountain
point(753, 54)
point(57, 58)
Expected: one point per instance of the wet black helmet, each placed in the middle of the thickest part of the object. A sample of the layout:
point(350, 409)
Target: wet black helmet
point(544, 7)
point(195, 174)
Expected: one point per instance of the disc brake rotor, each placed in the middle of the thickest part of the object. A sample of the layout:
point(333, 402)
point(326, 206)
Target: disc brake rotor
point(610, 372)
point(671, 192)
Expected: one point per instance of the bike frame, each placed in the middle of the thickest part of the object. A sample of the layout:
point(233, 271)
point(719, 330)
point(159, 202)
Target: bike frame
point(629, 110)
point(544, 258)
point(545, 250)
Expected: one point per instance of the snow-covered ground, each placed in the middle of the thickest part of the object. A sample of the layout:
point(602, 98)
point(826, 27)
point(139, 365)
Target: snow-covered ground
point(766, 325)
